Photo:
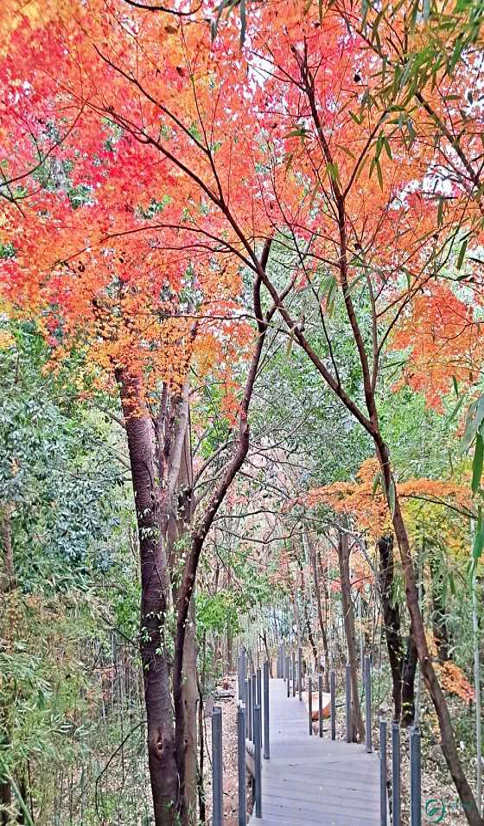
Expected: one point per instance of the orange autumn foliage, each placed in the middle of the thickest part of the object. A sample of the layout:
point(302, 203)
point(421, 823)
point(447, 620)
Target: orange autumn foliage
point(199, 151)
point(453, 679)
point(364, 501)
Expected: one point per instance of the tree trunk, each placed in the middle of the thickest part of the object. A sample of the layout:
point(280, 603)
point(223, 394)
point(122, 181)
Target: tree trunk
point(349, 620)
point(439, 617)
point(307, 620)
point(180, 523)
point(190, 702)
point(408, 682)
point(155, 600)
point(322, 624)
point(268, 653)
point(391, 621)
point(201, 745)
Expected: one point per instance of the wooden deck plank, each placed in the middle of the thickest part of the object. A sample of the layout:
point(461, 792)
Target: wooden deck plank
point(311, 781)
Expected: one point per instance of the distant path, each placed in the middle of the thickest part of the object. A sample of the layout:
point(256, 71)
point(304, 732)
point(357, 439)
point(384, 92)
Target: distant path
point(310, 781)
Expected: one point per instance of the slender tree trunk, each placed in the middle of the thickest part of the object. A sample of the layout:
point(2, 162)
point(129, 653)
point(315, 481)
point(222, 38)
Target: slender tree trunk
point(439, 618)
point(201, 696)
point(200, 533)
point(349, 620)
point(268, 654)
point(322, 625)
point(307, 620)
point(190, 702)
point(409, 670)
point(391, 621)
point(180, 523)
point(155, 600)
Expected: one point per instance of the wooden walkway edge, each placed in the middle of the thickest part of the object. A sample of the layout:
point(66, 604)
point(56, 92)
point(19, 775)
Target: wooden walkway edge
point(310, 781)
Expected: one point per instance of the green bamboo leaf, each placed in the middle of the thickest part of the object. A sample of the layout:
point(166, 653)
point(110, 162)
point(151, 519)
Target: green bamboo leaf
point(477, 463)
point(462, 253)
point(376, 482)
point(391, 497)
point(474, 419)
point(478, 536)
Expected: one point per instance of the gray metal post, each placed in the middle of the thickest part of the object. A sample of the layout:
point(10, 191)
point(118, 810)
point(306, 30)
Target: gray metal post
point(383, 773)
point(241, 765)
point(320, 704)
point(369, 745)
point(240, 690)
point(332, 679)
point(246, 704)
point(254, 702)
point(249, 709)
point(310, 705)
point(267, 746)
point(217, 779)
point(288, 675)
point(349, 732)
point(415, 778)
point(258, 762)
point(395, 774)
point(299, 668)
point(293, 674)
point(259, 687)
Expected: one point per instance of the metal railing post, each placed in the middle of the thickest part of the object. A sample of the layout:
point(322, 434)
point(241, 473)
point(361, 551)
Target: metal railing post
point(310, 705)
point(254, 702)
point(267, 746)
point(349, 732)
point(369, 745)
point(241, 765)
point(246, 704)
point(415, 778)
point(258, 762)
point(250, 707)
point(332, 678)
point(320, 704)
point(293, 674)
point(288, 673)
point(383, 774)
point(395, 774)
point(217, 778)
point(299, 668)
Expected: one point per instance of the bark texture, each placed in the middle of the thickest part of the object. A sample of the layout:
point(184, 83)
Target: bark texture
point(155, 600)
point(349, 620)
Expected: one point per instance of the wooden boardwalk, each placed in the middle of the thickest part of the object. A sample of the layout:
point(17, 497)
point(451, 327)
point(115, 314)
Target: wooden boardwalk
point(310, 781)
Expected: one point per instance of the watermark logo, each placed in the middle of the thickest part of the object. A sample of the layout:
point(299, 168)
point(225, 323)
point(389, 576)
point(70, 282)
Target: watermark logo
point(435, 810)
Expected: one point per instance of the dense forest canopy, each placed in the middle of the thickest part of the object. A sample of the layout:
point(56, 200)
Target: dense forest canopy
point(241, 379)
